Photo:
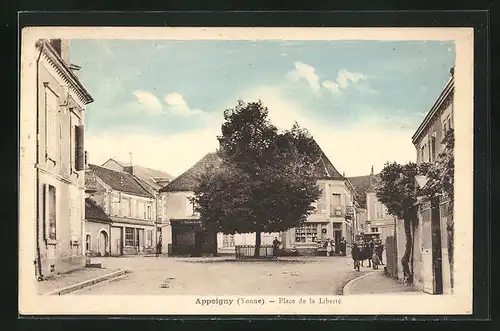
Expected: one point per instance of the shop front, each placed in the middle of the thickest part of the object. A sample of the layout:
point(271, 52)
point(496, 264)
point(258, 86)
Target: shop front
point(190, 239)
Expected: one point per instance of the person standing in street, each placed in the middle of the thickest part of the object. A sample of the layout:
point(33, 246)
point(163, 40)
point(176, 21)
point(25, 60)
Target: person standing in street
point(329, 247)
point(159, 246)
point(276, 246)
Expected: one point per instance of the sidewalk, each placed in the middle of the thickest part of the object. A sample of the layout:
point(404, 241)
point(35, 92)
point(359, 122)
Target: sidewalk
point(377, 282)
point(56, 282)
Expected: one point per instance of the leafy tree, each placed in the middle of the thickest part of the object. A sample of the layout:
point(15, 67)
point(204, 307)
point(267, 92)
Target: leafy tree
point(398, 192)
point(440, 185)
point(265, 181)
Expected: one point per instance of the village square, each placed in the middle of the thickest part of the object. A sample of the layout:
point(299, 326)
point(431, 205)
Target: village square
point(266, 211)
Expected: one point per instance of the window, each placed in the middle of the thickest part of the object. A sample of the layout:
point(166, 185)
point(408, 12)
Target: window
point(374, 229)
point(228, 240)
point(336, 199)
point(306, 233)
point(138, 236)
point(149, 238)
point(149, 212)
point(52, 133)
point(433, 149)
point(88, 242)
point(129, 237)
point(50, 214)
point(124, 212)
point(79, 148)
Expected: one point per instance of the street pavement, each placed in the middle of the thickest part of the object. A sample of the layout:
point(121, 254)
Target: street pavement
point(377, 282)
point(225, 276)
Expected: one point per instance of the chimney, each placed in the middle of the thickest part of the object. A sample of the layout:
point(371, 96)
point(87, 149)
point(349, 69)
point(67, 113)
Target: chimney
point(62, 48)
point(130, 158)
point(452, 71)
point(371, 173)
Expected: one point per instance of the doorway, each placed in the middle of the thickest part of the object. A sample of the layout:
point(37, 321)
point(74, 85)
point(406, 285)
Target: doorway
point(337, 236)
point(103, 243)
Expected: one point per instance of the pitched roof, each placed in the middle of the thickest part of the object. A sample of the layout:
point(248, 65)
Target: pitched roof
point(152, 177)
point(363, 185)
point(94, 211)
point(325, 169)
point(120, 181)
point(188, 180)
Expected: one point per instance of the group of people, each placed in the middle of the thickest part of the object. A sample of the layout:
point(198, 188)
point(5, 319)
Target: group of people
point(331, 248)
point(368, 250)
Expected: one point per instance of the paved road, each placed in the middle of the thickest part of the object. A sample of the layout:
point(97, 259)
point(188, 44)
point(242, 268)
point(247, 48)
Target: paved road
point(223, 276)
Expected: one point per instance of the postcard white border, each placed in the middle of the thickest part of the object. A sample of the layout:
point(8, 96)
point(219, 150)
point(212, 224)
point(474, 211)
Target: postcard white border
point(458, 303)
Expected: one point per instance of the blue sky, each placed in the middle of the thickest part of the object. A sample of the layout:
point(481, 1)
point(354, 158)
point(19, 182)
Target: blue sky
point(163, 100)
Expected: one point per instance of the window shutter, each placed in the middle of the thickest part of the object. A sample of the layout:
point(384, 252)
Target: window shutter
point(79, 150)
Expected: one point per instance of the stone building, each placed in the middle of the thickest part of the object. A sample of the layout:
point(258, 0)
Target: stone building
point(151, 179)
point(335, 213)
point(378, 219)
point(52, 156)
point(129, 206)
point(432, 269)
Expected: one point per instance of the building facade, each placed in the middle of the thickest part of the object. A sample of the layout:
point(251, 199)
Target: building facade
point(97, 229)
point(432, 267)
point(129, 206)
point(51, 141)
point(151, 179)
point(334, 217)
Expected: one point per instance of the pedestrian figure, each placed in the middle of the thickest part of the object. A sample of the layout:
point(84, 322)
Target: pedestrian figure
point(158, 246)
point(355, 255)
point(276, 246)
point(329, 248)
point(343, 245)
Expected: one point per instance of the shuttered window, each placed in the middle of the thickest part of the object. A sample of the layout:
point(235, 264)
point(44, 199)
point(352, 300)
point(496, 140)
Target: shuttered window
point(79, 148)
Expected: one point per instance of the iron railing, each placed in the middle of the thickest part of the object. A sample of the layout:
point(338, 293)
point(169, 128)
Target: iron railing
point(248, 251)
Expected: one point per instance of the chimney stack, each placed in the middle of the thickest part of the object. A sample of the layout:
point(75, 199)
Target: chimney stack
point(130, 157)
point(452, 71)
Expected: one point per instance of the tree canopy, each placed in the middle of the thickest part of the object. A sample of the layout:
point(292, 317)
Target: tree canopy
point(265, 181)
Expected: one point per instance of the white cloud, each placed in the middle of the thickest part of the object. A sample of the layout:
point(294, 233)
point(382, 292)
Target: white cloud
point(179, 106)
point(148, 100)
point(333, 86)
point(305, 72)
point(345, 78)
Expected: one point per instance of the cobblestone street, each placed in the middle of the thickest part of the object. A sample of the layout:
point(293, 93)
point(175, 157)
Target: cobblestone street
point(225, 276)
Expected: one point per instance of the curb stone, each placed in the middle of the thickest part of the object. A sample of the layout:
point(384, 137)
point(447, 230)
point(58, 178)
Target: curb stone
point(347, 288)
point(89, 282)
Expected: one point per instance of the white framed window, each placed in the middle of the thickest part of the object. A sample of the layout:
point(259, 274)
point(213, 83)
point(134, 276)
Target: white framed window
point(52, 130)
point(228, 241)
point(149, 212)
point(374, 229)
point(129, 237)
point(50, 212)
point(88, 242)
point(307, 233)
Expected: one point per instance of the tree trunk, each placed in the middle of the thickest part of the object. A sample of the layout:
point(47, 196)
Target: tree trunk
point(405, 260)
point(257, 244)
